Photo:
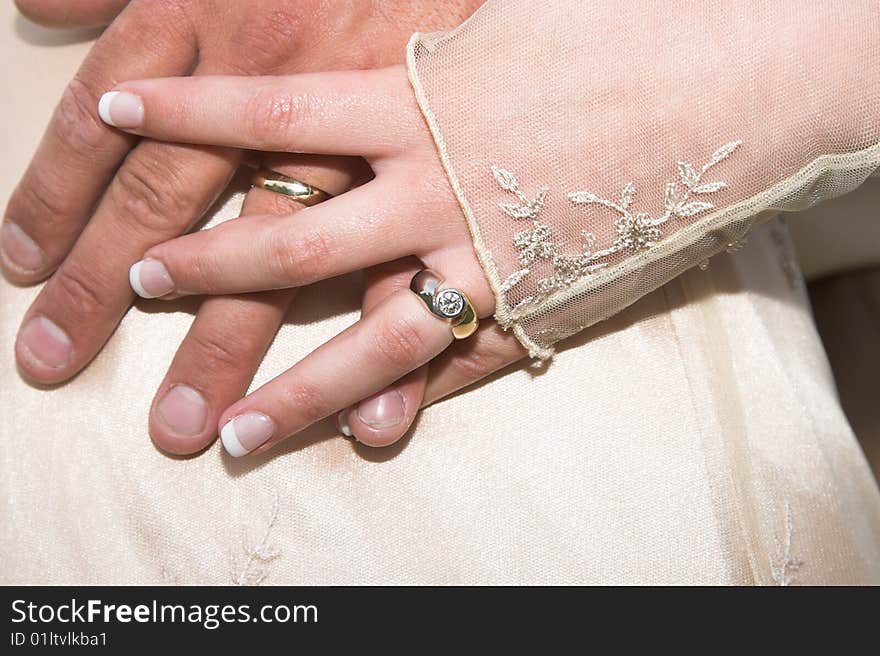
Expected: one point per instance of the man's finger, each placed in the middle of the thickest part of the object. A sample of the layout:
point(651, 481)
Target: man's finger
point(160, 191)
point(79, 153)
point(67, 14)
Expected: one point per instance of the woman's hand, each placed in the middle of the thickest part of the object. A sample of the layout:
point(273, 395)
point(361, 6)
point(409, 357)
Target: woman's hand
point(407, 210)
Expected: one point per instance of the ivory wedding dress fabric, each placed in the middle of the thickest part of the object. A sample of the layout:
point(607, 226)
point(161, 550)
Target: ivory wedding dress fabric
point(695, 437)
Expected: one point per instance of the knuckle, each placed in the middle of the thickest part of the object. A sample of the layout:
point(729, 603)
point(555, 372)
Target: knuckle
point(76, 123)
point(477, 363)
point(46, 203)
point(202, 269)
point(175, 8)
point(271, 114)
point(156, 21)
point(308, 402)
point(300, 257)
point(265, 42)
point(151, 196)
point(400, 343)
point(81, 290)
point(215, 351)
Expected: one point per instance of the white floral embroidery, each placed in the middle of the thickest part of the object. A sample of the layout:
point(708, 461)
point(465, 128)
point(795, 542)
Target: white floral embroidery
point(785, 565)
point(255, 568)
point(635, 230)
point(538, 243)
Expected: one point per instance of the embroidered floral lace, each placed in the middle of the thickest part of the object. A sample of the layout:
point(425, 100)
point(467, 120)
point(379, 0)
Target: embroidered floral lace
point(600, 149)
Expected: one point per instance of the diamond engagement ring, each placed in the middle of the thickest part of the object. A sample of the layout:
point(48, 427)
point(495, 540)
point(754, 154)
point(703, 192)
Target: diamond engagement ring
point(448, 303)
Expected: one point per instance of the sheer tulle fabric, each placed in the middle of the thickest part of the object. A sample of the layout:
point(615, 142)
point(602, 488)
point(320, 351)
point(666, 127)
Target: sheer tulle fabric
point(600, 149)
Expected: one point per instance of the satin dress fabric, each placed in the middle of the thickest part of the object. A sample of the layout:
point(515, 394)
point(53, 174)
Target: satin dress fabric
point(696, 437)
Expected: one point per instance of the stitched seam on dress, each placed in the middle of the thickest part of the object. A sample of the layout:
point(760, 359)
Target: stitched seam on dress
point(720, 509)
point(736, 465)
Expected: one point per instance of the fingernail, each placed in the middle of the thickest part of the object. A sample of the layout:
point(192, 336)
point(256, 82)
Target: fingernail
point(150, 279)
point(183, 410)
point(383, 410)
point(245, 433)
point(45, 343)
point(19, 249)
point(342, 422)
point(121, 109)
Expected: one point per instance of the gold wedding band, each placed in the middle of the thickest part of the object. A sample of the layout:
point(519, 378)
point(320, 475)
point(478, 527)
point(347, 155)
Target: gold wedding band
point(446, 303)
point(300, 191)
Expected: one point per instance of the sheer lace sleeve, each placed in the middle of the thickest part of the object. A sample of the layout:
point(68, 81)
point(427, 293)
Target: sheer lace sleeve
point(598, 149)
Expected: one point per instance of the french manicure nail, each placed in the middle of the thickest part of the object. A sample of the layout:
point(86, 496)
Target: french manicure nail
point(45, 343)
point(19, 249)
point(382, 410)
point(342, 422)
point(121, 109)
point(183, 410)
point(150, 279)
point(246, 432)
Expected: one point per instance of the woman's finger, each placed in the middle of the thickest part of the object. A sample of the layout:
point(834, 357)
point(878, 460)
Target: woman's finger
point(367, 113)
point(220, 354)
point(464, 363)
point(469, 361)
point(64, 13)
point(374, 421)
point(386, 416)
point(399, 336)
point(344, 234)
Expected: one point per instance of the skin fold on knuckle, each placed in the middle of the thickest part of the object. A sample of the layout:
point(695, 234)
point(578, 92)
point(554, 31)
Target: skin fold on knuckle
point(265, 43)
point(303, 404)
point(218, 351)
point(298, 256)
point(83, 292)
point(488, 351)
point(271, 114)
point(149, 194)
point(32, 200)
point(399, 344)
point(76, 122)
point(473, 365)
point(478, 361)
point(157, 23)
point(193, 269)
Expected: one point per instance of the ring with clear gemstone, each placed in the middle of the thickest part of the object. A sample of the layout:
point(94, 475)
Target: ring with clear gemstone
point(449, 303)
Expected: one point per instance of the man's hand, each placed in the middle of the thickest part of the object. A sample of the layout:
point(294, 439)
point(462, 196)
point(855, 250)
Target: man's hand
point(63, 13)
point(94, 199)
